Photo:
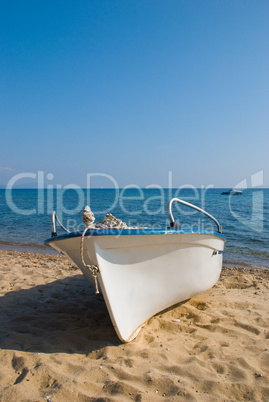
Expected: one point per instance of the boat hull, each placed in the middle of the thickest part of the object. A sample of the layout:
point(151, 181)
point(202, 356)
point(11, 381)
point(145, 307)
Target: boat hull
point(141, 275)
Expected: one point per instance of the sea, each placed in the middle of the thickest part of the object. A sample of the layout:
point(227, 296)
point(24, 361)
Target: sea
point(25, 216)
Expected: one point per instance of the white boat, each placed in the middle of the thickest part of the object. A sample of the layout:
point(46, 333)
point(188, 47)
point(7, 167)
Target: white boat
point(144, 271)
point(232, 192)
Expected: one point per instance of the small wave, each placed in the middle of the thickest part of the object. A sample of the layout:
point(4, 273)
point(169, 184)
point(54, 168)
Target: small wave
point(24, 247)
point(244, 265)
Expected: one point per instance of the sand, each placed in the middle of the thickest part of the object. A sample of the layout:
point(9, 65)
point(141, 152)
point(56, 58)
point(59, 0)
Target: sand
point(58, 344)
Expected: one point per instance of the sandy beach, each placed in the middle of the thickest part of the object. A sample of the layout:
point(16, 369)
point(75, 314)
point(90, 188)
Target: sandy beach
point(58, 344)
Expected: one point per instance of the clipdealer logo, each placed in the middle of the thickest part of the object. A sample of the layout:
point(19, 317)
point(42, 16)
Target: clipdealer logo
point(51, 197)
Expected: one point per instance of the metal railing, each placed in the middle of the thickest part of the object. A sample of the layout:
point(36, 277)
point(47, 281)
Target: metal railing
point(54, 219)
point(173, 224)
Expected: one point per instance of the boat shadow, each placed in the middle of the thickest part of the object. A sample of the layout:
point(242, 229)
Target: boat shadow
point(64, 316)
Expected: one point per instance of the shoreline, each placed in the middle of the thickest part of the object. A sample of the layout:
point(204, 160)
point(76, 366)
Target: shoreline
point(26, 247)
point(57, 341)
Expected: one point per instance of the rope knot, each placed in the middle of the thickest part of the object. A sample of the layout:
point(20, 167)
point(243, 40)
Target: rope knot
point(88, 217)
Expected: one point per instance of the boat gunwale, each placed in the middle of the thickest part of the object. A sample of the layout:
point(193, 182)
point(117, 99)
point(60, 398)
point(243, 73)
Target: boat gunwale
point(132, 232)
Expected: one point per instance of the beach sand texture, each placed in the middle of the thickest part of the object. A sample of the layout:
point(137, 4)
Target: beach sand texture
point(57, 341)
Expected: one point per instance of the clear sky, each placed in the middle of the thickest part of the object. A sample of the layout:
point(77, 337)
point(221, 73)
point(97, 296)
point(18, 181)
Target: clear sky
point(135, 89)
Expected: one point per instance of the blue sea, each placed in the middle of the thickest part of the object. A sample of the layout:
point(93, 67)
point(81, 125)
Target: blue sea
point(25, 215)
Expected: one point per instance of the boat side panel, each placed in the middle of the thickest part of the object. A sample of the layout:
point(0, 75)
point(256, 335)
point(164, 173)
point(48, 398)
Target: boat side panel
point(153, 277)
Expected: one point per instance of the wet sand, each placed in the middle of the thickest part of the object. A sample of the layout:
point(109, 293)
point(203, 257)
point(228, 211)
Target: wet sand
point(57, 341)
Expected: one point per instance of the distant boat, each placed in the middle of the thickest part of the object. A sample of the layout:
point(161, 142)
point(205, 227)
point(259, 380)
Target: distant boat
point(142, 271)
point(232, 192)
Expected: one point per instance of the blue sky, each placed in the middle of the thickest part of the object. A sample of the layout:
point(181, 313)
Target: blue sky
point(135, 89)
